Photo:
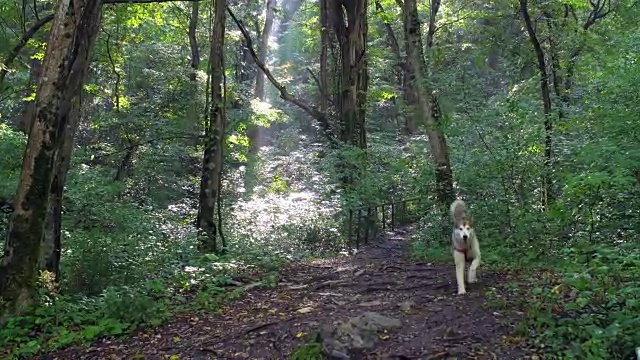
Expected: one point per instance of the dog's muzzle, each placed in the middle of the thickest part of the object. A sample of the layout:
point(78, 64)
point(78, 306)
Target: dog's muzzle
point(465, 238)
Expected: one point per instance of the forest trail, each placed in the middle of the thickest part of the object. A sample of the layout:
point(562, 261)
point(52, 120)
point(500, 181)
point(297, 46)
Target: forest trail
point(269, 323)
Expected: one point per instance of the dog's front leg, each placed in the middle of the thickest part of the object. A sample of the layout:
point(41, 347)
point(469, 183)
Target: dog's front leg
point(472, 269)
point(459, 260)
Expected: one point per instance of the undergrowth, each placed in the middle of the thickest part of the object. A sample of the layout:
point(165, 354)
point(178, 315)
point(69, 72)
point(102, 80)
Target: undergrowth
point(62, 320)
point(578, 302)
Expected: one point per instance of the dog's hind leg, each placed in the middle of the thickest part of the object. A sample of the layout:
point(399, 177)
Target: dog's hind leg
point(472, 269)
point(459, 260)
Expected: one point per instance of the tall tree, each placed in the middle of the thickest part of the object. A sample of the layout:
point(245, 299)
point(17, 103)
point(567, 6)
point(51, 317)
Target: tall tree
point(255, 131)
point(52, 241)
point(194, 118)
point(65, 65)
point(212, 159)
point(324, 57)
point(545, 93)
point(427, 106)
point(403, 69)
point(351, 33)
point(265, 34)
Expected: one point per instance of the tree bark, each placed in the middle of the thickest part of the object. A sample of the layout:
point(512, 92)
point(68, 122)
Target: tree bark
point(324, 64)
point(545, 93)
point(52, 244)
point(212, 159)
point(264, 47)
point(73, 34)
point(254, 131)
point(193, 112)
point(427, 105)
point(351, 34)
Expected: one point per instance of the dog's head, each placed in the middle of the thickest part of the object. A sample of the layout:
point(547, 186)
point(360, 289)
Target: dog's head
point(462, 228)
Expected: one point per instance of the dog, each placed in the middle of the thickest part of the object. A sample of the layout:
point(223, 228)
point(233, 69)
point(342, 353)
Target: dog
point(465, 245)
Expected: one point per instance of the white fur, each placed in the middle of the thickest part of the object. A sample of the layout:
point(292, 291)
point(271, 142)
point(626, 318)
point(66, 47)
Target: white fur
point(460, 229)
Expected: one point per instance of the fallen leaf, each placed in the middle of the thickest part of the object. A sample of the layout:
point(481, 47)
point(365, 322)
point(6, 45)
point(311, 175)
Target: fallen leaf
point(304, 310)
point(300, 334)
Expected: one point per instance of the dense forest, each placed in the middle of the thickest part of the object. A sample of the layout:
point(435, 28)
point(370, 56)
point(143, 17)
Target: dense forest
point(229, 179)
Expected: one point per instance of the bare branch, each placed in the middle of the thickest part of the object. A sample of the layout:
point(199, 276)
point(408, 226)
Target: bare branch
point(321, 117)
point(391, 37)
point(597, 12)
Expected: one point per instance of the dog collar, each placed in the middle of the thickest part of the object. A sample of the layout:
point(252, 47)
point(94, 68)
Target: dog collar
point(464, 251)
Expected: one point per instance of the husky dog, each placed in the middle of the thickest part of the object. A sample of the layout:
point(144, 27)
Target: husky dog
point(465, 245)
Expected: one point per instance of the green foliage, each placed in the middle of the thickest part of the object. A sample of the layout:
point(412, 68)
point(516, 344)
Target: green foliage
point(310, 349)
point(12, 145)
point(62, 320)
point(591, 311)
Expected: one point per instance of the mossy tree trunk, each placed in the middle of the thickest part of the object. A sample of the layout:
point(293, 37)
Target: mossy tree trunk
point(65, 65)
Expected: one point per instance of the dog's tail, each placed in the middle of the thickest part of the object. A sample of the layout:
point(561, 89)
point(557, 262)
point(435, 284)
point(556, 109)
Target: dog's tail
point(457, 209)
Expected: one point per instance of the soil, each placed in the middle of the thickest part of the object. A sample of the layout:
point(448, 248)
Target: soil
point(270, 323)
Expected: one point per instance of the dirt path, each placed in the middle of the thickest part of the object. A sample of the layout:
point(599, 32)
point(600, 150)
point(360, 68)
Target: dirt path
point(267, 323)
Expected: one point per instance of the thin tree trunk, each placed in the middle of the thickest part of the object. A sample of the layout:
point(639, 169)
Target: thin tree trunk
point(212, 159)
point(193, 112)
point(324, 48)
point(404, 75)
point(545, 93)
point(254, 132)
point(264, 47)
point(427, 106)
point(52, 245)
point(65, 66)
point(312, 111)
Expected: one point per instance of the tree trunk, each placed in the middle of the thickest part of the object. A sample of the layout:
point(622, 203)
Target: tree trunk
point(546, 102)
point(324, 48)
point(352, 35)
point(52, 244)
point(404, 76)
point(321, 117)
point(254, 131)
point(212, 159)
point(426, 103)
point(193, 112)
point(65, 65)
point(264, 47)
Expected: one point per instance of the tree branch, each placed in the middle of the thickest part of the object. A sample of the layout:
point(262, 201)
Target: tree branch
point(392, 39)
point(26, 36)
point(321, 117)
point(322, 92)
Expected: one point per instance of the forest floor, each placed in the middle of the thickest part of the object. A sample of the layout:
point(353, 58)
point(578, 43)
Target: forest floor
point(411, 309)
